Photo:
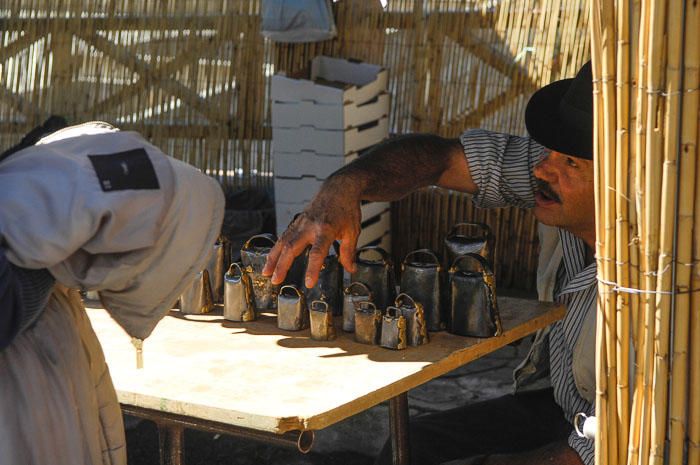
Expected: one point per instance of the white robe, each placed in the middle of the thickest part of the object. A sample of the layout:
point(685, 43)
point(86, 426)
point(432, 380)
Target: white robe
point(57, 402)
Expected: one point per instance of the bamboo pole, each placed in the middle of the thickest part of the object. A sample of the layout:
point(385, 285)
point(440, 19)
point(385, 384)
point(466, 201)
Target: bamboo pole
point(622, 229)
point(639, 431)
point(687, 136)
point(598, 50)
point(690, 138)
point(668, 134)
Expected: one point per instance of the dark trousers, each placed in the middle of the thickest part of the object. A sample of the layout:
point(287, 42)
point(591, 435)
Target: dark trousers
point(506, 425)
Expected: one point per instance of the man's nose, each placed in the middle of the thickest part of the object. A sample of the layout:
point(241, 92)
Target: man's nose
point(544, 169)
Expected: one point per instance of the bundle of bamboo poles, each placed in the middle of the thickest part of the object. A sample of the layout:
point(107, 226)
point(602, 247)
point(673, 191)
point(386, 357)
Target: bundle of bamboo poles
point(646, 67)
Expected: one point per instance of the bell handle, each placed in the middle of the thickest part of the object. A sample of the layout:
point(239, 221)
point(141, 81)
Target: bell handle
point(265, 236)
point(427, 252)
point(233, 267)
point(484, 228)
point(364, 288)
point(290, 286)
point(401, 297)
point(385, 255)
point(392, 312)
point(367, 304)
point(486, 268)
point(319, 303)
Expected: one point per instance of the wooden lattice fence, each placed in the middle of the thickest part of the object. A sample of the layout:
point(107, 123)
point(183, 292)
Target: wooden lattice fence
point(193, 76)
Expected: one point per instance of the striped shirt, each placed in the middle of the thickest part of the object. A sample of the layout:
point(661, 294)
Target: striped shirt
point(501, 166)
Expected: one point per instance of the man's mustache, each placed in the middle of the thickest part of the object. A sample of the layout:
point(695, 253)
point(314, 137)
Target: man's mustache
point(546, 189)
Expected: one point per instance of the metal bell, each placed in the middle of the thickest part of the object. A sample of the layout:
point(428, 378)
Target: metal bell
point(422, 276)
point(196, 299)
point(466, 238)
point(239, 304)
point(368, 323)
point(473, 306)
point(377, 274)
point(216, 270)
point(393, 329)
point(292, 314)
point(416, 329)
point(253, 256)
point(352, 296)
point(321, 316)
point(329, 286)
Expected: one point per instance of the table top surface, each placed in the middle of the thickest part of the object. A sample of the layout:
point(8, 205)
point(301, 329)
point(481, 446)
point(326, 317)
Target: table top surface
point(257, 376)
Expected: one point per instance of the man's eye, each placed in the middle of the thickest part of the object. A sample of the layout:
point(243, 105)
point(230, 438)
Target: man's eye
point(571, 162)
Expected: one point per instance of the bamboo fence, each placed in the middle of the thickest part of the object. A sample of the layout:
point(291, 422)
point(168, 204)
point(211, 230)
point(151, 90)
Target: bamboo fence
point(193, 76)
point(646, 66)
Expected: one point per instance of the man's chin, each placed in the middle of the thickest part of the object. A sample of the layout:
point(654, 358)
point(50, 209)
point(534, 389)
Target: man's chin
point(545, 216)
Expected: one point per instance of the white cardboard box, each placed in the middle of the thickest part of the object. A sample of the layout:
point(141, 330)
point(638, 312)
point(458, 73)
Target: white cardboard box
point(308, 163)
point(332, 142)
point(332, 81)
point(296, 190)
point(378, 227)
point(384, 242)
point(328, 116)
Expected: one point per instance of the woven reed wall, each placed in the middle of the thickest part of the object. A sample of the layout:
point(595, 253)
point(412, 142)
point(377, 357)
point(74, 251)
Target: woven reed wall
point(193, 76)
point(646, 68)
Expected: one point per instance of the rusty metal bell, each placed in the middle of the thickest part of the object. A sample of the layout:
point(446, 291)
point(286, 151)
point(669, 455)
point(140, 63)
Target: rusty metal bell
point(196, 299)
point(329, 286)
point(473, 306)
point(321, 317)
point(377, 274)
point(368, 323)
point(423, 278)
point(352, 296)
point(253, 256)
point(216, 270)
point(466, 238)
point(393, 329)
point(239, 304)
point(292, 314)
point(416, 328)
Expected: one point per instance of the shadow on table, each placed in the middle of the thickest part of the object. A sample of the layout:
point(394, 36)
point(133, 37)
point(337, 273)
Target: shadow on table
point(441, 343)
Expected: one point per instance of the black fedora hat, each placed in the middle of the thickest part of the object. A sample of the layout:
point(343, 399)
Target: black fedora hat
point(560, 115)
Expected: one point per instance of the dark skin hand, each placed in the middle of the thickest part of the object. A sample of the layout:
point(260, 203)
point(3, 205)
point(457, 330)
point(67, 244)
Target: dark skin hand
point(389, 172)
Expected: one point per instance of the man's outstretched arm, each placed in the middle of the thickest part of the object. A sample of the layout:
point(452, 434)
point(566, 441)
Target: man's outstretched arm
point(388, 172)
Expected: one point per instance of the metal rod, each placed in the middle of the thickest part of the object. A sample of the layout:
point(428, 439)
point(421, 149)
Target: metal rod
point(171, 443)
point(301, 440)
point(398, 427)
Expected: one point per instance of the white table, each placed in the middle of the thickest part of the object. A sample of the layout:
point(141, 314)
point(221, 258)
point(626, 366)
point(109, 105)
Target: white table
point(254, 380)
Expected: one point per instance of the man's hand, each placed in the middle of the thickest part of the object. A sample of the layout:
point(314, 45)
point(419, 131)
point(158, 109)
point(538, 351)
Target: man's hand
point(334, 214)
point(390, 171)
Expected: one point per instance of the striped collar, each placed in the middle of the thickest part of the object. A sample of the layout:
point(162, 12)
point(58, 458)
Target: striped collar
point(579, 276)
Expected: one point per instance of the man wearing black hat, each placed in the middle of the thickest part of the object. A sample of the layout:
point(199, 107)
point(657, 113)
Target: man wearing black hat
point(552, 173)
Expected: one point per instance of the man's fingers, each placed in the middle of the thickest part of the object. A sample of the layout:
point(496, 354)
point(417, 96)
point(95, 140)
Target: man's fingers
point(348, 245)
point(317, 255)
point(289, 251)
point(272, 258)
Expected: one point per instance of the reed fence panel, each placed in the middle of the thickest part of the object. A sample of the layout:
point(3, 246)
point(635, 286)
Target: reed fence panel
point(194, 77)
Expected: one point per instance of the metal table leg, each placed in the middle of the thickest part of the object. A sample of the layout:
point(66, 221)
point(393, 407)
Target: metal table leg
point(171, 442)
point(398, 427)
point(171, 433)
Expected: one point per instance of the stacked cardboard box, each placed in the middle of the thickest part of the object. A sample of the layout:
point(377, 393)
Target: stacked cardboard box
point(321, 122)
